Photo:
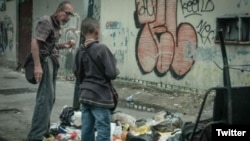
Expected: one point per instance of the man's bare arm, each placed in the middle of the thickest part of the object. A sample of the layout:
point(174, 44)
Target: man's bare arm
point(67, 44)
point(38, 72)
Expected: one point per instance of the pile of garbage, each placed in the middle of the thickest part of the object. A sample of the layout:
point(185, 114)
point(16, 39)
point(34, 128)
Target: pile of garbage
point(164, 126)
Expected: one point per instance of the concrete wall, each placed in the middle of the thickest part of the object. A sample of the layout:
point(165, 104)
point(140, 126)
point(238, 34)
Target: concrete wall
point(171, 44)
point(166, 43)
point(8, 33)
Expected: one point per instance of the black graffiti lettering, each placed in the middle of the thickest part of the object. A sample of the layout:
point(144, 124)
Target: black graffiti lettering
point(205, 32)
point(207, 6)
point(209, 37)
point(196, 7)
point(203, 26)
point(190, 7)
point(147, 8)
point(193, 6)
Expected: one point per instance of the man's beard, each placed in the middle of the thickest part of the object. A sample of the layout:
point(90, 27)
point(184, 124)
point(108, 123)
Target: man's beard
point(63, 22)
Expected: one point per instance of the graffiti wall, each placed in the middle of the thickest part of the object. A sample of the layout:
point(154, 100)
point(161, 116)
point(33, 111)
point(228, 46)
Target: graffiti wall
point(8, 32)
point(175, 42)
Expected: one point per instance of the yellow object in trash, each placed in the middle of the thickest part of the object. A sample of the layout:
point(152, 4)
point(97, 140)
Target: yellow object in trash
point(141, 130)
point(125, 129)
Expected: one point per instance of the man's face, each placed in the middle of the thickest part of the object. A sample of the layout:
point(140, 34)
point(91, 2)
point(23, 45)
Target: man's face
point(64, 15)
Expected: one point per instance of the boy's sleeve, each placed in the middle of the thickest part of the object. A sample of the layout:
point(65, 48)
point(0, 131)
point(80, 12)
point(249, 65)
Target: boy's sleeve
point(76, 62)
point(78, 67)
point(109, 59)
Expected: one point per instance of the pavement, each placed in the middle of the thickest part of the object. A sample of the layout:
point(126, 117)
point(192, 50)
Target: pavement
point(17, 100)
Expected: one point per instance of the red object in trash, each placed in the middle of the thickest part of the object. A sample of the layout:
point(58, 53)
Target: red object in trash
point(66, 136)
point(117, 138)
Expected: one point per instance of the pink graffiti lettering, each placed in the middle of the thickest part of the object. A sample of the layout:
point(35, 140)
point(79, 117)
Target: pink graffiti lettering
point(161, 45)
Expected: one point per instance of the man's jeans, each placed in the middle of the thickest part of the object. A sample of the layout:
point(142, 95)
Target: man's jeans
point(76, 103)
point(95, 118)
point(45, 99)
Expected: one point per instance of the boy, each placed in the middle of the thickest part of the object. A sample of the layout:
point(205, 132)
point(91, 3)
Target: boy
point(96, 68)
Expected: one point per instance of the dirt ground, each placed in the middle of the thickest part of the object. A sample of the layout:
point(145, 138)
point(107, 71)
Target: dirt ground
point(172, 101)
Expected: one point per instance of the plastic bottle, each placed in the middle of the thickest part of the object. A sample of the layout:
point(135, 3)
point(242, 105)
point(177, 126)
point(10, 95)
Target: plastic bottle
point(125, 131)
point(117, 133)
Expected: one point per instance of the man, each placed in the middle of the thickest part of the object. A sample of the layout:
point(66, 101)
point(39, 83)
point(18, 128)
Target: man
point(95, 70)
point(44, 49)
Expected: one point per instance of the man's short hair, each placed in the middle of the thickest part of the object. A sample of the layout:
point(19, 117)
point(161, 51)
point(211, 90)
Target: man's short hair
point(61, 6)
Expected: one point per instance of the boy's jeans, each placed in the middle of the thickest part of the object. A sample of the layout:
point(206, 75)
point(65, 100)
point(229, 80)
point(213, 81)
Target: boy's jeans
point(95, 118)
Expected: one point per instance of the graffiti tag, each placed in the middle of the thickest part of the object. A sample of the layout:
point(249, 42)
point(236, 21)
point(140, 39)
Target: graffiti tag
point(196, 7)
point(205, 32)
point(6, 34)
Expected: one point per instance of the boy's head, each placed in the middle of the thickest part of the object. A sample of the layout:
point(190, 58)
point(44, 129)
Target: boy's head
point(90, 28)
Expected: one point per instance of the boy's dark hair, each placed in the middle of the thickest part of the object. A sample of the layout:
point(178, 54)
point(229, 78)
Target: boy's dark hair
point(89, 25)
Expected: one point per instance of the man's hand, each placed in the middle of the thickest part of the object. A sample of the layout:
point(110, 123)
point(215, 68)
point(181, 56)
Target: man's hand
point(70, 44)
point(38, 72)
